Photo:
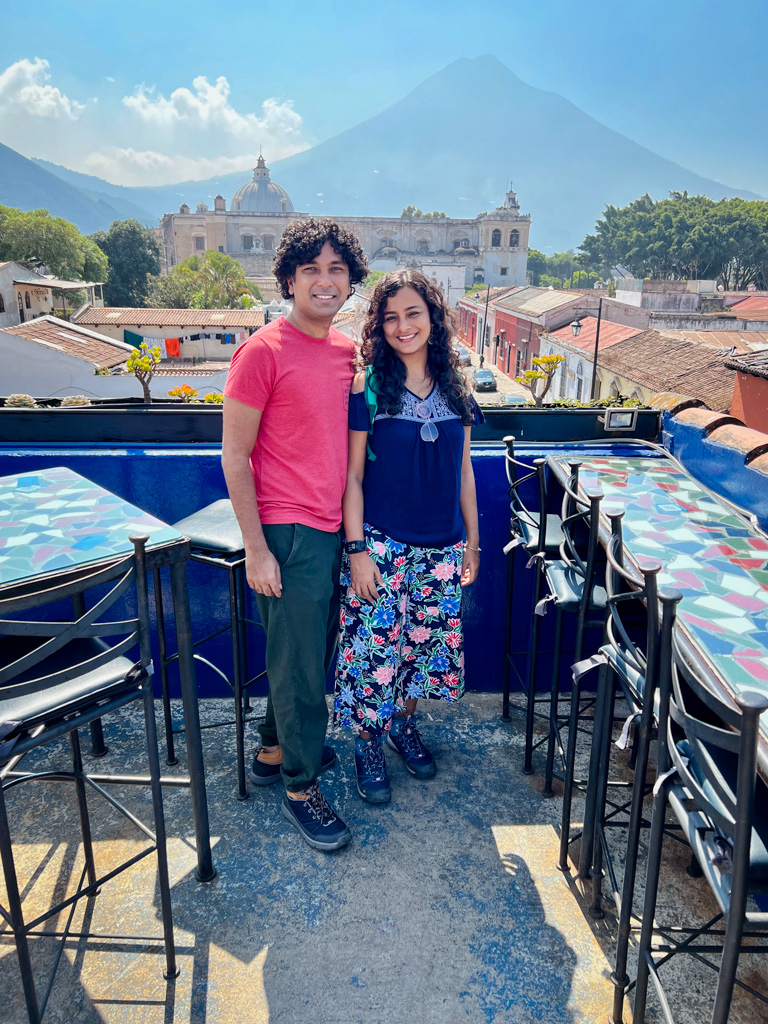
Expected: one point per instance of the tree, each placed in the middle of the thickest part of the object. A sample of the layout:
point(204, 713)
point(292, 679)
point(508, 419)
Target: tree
point(373, 278)
point(414, 213)
point(684, 237)
point(141, 363)
point(133, 252)
point(211, 281)
point(36, 237)
point(539, 379)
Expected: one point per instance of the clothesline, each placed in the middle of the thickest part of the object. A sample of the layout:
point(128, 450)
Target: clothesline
point(171, 347)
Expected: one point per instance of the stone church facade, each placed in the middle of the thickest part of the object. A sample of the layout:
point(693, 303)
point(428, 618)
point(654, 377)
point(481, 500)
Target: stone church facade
point(492, 247)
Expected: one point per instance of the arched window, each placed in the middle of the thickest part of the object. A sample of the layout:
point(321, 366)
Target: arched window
point(613, 390)
point(27, 301)
point(2, 304)
point(636, 396)
point(579, 381)
point(514, 238)
point(496, 238)
point(268, 242)
point(247, 242)
point(422, 246)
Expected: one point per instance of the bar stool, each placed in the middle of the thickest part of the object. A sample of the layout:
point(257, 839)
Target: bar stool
point(525, 530)
point(216, 540)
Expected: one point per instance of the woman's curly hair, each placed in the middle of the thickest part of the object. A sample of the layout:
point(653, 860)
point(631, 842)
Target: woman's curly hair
point(302, 241)
point(442, 358)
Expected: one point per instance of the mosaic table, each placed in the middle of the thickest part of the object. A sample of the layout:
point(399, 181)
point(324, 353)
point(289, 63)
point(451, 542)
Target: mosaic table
point(710, 553)
point(53, 524)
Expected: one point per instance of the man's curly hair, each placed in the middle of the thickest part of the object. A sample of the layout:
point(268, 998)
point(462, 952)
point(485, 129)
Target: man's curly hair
point(302, 241)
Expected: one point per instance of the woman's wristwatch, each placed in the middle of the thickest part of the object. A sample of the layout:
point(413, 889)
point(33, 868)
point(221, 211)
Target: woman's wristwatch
point(354, 547)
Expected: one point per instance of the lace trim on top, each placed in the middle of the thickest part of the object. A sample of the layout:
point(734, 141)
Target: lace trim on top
point(435, 408)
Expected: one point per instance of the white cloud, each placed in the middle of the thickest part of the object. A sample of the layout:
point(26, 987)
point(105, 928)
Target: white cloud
point(147, 167)
point(23, 88)
point(209, 107)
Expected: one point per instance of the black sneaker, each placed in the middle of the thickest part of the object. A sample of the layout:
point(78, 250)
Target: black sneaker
point(371, 771)
point(403, 736)
point(317, 821)
point(262, 774)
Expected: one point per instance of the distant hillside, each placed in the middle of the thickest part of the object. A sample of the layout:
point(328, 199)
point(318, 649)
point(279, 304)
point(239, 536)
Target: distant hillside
point(26, 185)
point(129, 201)
point(453, 144)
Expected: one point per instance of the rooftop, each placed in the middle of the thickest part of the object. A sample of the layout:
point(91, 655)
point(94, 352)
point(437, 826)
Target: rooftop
point(74, 340)
point(535, 301)
point(756, 363)
point(610, 333)
point(124, 316)
point(657, 361)
point(740, 341)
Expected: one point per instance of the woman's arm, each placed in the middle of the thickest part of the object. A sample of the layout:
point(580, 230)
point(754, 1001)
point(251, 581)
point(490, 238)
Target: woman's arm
point(365, 573)
point(470, 563)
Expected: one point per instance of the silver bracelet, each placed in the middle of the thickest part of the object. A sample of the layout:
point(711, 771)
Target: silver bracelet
point(470, 548)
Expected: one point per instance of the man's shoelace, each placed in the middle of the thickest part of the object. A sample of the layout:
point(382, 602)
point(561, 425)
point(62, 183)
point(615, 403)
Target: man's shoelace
point(319, 806)
point(373, 761)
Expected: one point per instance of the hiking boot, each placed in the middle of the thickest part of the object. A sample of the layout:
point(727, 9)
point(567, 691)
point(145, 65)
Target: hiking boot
point(264, 774)
point(403, 736)
point(371, 771)
point(317, 821)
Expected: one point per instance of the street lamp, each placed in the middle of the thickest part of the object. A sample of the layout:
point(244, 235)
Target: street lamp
point(576, 328)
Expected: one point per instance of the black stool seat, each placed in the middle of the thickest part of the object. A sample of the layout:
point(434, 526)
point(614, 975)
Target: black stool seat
point(213, 528)
point(553, 533)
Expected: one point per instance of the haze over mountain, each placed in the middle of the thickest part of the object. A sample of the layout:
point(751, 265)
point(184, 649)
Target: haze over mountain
point(26, 185)
point(453, 144)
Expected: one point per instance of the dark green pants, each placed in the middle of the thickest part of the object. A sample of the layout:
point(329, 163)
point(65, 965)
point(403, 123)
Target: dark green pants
point(301, 630)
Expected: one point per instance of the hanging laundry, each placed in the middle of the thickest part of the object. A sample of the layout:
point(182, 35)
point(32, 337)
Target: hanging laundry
point(172, 347)
point(133, 339)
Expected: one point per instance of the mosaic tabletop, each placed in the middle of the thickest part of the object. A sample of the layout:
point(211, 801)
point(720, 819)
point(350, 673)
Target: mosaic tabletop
point(55, 519)
point(711, 554)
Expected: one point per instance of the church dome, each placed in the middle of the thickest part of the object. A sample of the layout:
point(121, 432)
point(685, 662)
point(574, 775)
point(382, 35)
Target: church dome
point(261, 195)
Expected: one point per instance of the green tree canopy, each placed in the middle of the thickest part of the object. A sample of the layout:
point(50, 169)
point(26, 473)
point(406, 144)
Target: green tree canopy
point(35, 236)
point(414, 213)
point(133, 252)
point(563, 270)
point(684, 237)
point(210, 281)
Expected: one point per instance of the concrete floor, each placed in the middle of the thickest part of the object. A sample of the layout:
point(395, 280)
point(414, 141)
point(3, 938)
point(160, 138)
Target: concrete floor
point(445, 908)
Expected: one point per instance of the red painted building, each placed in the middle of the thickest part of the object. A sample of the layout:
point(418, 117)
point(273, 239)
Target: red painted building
point(750, 389)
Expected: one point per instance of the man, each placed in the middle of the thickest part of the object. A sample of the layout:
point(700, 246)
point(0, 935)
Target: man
point(284, 455)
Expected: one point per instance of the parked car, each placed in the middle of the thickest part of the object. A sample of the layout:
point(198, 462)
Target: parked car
point(465, 356)
point(484, 380)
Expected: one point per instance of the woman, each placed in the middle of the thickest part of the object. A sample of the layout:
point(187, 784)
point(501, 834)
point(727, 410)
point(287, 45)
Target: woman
point(409, 502)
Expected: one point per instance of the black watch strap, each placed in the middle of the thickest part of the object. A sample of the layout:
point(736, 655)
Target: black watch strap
point(354, 547)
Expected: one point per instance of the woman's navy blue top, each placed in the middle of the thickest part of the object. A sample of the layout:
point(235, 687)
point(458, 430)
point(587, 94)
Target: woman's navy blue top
point(411, 489)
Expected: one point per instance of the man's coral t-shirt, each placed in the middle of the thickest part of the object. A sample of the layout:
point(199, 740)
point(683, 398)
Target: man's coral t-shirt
point(302, 386)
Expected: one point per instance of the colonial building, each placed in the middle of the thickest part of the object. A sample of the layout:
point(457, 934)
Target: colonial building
point(492, 247)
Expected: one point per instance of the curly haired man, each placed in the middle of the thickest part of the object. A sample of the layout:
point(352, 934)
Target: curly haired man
point(284, 455)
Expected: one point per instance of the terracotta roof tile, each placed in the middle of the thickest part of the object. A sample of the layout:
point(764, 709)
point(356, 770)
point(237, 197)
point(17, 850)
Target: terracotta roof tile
point(756, 363)
point(610, 333)
point(656, 361)
point(74, 340)
point(751, 302)
point(740, 341)
point(122, 316)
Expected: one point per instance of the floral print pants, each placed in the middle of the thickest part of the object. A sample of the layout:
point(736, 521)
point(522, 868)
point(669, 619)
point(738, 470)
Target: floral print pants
point(409, 643)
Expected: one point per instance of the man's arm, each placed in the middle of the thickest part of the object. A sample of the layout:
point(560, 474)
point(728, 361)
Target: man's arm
point(241, 430)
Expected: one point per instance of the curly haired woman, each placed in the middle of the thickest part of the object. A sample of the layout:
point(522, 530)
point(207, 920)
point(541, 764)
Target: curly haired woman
point(410, 519)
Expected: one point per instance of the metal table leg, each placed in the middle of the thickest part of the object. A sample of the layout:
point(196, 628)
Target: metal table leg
point(206, 872)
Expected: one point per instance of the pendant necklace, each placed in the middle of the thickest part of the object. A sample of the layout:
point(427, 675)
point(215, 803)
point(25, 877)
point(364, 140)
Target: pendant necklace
point(428, 430)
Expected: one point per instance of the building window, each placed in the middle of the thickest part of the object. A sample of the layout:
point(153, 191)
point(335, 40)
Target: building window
point(613, 390)
point(27, 301)
point(388, 243)
point(487, 334)
point(496, 238)
point(247, 242)
point(422, 246)
point(514, 239)
point(563, 380)
point(579, 381)
point(519, 363)
point(598, 385)
point(199, 244)
point(503, 271)
point(268, 242)
point(221, 248)
point(2, 304)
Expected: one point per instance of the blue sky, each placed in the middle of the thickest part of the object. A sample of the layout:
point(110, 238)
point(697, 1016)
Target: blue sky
point(155, 92)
